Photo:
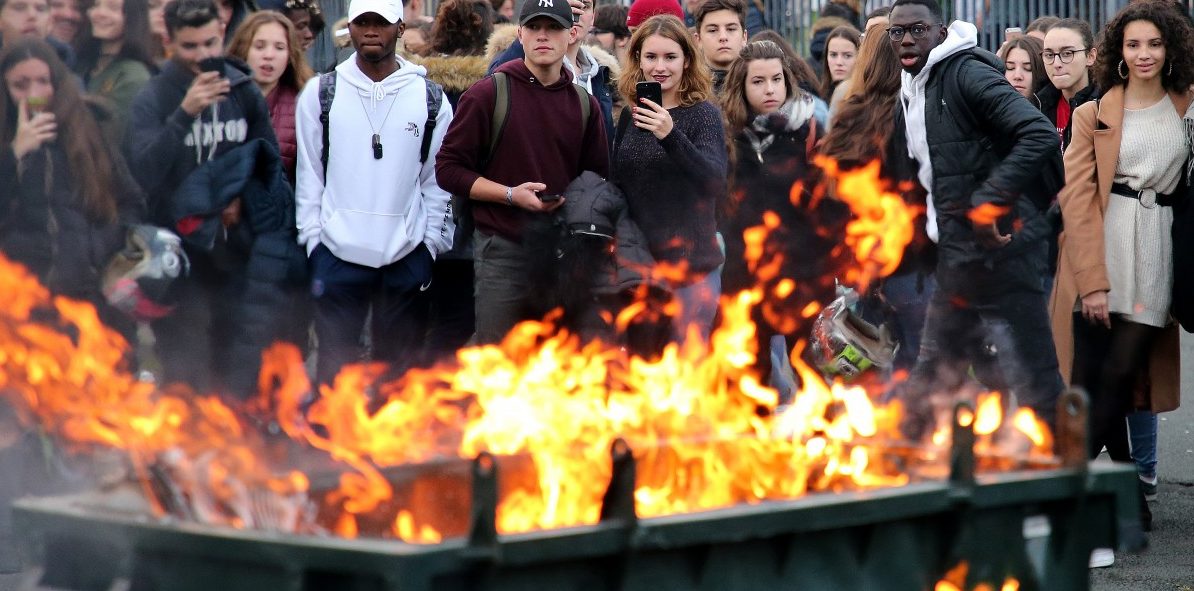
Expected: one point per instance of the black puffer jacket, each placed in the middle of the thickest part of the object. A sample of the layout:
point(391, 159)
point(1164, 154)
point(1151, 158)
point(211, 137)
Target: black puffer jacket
point(987, 146)
point(44, 225)
point(275, 265)
point(1048, 97)
point(598, 208)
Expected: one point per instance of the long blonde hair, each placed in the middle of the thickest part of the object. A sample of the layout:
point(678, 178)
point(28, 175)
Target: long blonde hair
point(297, 71)
point(696, 83)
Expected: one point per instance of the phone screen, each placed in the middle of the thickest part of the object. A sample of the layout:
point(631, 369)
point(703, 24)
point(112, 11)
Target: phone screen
point(548, 198)
point(649, 89)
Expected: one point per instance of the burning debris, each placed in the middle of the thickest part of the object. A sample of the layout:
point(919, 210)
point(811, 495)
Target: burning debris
point(392, 459)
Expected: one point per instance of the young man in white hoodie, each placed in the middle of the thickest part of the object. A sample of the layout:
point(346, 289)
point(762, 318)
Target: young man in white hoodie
point(374, 219)
point(985, 156)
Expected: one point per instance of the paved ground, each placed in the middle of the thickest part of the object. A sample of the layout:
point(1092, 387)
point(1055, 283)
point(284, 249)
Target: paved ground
point(1168, 564)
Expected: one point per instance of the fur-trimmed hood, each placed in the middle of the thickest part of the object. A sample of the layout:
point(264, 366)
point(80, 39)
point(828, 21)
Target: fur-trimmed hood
point(606, 59)
point(502, 38)
point(456, 73)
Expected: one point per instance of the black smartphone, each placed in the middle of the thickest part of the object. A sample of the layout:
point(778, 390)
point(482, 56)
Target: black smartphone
point(212, 64)
point(548, 198)
point(648, 89)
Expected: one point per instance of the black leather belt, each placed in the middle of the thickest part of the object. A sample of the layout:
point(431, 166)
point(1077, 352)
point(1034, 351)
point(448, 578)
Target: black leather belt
point(1144, 196)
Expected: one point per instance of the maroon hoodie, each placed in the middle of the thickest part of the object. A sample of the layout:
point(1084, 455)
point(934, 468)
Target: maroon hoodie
point(541, 142)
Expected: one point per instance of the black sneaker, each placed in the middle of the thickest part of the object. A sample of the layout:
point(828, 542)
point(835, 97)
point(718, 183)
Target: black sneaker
point(1149, 488)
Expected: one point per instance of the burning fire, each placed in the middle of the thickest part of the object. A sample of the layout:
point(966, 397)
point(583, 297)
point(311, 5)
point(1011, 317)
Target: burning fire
point(704, 429)
point(955, 580)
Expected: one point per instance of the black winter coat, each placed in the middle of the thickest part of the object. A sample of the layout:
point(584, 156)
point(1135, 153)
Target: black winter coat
point(988, 146)
point(805, 247)
point(275, 266)
point(45, 226)
point(1047, 99)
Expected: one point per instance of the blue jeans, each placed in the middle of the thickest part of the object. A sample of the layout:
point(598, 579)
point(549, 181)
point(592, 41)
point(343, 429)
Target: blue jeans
point(1142, 429)
point(908, 294)
point(698, 306)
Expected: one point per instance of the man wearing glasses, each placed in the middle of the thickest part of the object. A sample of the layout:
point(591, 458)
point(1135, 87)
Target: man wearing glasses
point(982, 152)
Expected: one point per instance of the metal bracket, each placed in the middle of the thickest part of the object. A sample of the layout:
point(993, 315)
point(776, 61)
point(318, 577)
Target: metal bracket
point(482, 535)
point(618, 503)
point(961, 451)
point(1072, 421)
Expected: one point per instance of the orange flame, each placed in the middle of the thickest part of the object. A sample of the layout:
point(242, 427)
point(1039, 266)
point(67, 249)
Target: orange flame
point(987, 213)
point(704, 429)
point(955, 580)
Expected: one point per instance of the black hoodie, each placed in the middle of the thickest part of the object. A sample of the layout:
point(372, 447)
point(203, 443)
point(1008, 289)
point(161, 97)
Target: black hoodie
point(163, 146)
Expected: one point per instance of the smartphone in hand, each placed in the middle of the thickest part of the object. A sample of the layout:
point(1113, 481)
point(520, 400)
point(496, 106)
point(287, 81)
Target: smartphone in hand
point(212, 64)
point(547, 197)
point(648, 89)
point(1012, 33)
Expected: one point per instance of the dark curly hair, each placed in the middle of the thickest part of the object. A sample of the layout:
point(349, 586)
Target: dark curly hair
point(462, 27)
point(1175, 29)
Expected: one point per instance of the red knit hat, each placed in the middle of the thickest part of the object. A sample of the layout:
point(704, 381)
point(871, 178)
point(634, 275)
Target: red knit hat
point(642, 10)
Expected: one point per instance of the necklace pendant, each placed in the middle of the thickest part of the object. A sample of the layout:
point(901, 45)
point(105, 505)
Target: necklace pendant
point(376, 147)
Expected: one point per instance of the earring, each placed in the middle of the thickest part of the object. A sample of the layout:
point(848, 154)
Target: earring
point(1170, 71)
point(1120, 70)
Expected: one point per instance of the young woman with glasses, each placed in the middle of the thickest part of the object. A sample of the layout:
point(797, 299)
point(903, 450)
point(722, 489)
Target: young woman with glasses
point(1112, 300)
point(1068, 56)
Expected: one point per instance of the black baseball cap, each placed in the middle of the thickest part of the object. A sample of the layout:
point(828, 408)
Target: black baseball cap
point(558, 10)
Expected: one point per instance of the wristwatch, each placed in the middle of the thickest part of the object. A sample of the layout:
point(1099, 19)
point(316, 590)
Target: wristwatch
point(510, 196)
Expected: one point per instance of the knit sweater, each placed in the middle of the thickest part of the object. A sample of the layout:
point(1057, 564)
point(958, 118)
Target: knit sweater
point(1138, 243)
point(673, 185)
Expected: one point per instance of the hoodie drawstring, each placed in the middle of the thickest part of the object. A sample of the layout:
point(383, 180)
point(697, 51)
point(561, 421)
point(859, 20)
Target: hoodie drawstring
point(379, 94)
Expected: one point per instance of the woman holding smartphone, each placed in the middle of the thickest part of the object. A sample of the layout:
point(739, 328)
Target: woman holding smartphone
point(67, 194)
point(670, 161)
point(1112, 300)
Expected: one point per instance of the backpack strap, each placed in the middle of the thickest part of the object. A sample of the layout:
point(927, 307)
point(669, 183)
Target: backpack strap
point(435, 98)
point(586, 108)
point(327, 92)
point(501, 111)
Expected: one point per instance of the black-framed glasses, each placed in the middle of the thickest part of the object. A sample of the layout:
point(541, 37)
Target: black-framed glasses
point(919, 30)
point(1066, 55)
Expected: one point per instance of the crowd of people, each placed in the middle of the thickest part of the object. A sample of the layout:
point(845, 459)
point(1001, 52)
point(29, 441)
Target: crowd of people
point(447, 178)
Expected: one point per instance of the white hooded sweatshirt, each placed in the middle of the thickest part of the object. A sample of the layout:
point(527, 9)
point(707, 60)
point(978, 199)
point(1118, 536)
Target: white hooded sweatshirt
point(961, 37)
point(369, 211)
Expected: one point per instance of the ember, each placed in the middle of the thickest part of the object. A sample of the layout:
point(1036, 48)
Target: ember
point(704, 429)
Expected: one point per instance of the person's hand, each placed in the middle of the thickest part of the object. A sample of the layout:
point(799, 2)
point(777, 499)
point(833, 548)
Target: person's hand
point(32, 132)
point(525, 197)
point(578, 8)
point(988, 236)
point(1095, 309)
point(206, 89)
point(654, 119)
point(231, 214)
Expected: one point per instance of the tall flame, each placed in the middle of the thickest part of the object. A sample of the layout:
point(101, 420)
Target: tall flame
point(704, 428)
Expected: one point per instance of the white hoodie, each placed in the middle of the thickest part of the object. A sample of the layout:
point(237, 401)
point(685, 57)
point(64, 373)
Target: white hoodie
point(371, 212)
point(962, 36)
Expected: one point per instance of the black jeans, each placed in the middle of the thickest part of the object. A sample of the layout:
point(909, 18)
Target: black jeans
point(1004, 336)
point(1109, 364)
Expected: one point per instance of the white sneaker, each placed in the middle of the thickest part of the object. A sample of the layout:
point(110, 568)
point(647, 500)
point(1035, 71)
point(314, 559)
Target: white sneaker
point(1102, 557)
